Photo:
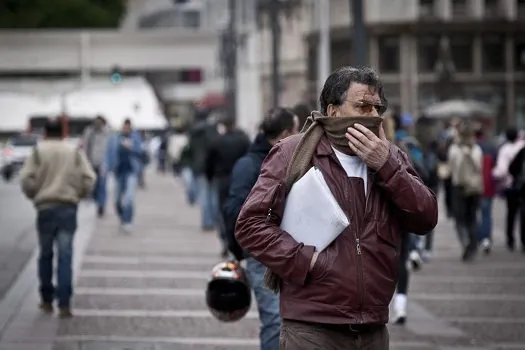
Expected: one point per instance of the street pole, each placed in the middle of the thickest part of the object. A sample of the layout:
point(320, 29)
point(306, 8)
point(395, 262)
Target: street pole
point(358, 35)
point(324, 51)
point(276, 48)
point(230, 50)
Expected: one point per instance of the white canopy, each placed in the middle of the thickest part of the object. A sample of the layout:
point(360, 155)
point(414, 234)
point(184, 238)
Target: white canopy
point(133, 99)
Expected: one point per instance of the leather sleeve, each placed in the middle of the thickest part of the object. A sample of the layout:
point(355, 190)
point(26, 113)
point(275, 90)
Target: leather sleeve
point(416, 204)
point(258, 225)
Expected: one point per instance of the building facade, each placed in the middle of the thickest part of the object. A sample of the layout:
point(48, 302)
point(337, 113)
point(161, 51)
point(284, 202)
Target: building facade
point(486, 44)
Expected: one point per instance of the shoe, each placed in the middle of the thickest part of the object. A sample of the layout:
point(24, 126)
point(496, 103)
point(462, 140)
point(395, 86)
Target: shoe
point(100, 212)
point(65, 312)
point(127, 228)
point(486, 246)
point(426, 256)
point(46, 307)
point(415, 260)
point(400, 309)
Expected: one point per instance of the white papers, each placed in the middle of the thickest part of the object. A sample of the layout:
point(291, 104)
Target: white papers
point(312, 215)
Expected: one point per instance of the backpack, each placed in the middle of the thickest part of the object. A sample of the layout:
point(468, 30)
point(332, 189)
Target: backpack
point(470, 176)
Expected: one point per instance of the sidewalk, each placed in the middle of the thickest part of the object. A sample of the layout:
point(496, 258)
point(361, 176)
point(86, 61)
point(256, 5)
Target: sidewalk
point(146, 291)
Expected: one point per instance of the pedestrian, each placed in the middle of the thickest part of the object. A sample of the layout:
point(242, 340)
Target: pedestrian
point(465, 162)
point(507, 153)
point(200, 135)
point(56, 176)
point(95, 143)
point(278, 124)
point(126, 162)
point(222, 154)
point(338, 298)
point(489, 191)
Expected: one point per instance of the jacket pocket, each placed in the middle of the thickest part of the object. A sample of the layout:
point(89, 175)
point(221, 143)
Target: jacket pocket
point(387, 234)
point(319, 269)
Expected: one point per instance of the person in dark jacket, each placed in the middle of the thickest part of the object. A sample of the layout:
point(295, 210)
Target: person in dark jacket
point(223, 152)
point(279, 123)
point(200, 136)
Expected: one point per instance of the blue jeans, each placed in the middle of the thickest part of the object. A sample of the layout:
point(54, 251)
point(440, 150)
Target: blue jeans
point(485, 224)
point(100, 190)
point(190, 185)
point(267, 304)
point(57, 224)
point(126, 185)
point(209, 202)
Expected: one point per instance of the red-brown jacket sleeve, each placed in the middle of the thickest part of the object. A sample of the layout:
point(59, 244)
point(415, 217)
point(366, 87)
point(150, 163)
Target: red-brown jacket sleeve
point(416, 204)
point(258, 225)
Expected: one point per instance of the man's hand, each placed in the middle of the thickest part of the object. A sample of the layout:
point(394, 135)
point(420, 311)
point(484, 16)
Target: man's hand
point(372, 150)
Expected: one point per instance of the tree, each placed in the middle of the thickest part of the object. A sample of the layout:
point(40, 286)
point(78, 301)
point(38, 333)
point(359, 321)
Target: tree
point(273, 10)
point(63, 14)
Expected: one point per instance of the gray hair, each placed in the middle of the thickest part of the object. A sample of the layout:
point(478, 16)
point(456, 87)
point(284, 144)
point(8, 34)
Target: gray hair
point(337, 84)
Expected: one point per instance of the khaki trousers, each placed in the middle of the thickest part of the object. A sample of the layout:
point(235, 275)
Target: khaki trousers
point(310, 336)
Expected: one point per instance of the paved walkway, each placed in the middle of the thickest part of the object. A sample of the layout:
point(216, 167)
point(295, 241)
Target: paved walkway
point(146, 291)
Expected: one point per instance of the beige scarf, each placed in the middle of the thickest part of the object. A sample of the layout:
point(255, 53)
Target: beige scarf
point(316, 125)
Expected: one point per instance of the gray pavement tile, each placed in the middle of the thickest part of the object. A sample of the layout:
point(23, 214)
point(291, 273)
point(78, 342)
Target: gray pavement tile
point(71, 345)
point(29, 346)
point(494, 333)
point(477, 308)
point(100, 345)
point(157, 327)
point(147, 267)
point(146, 302)
point(110, 282)
point(418, 286)
point(204, 347)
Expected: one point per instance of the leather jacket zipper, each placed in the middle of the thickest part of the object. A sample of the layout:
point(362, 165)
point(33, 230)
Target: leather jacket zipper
point(272, 203)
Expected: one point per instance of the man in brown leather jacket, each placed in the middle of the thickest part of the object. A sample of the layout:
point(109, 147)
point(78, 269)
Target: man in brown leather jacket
point(338, 298)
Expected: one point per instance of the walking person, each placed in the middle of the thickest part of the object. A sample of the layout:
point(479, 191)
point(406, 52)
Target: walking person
point(126, 162)
point(278, 124)
point(56, 176)
point(224, 151)
point(338, 298)
point(465, 161)
point(489, 191)
point(95, 143)
point(507, 153)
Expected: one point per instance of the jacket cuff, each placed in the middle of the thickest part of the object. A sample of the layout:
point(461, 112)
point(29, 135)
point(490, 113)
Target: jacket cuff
point(390, 167)
point(302, 262)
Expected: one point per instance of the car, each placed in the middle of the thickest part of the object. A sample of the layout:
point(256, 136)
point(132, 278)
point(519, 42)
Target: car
point(15, 152)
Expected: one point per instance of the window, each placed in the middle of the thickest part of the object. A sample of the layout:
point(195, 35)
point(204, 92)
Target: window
point(493, 53)
point(521, 8)
point(389, 54)
point(459, 8)
point(462, 49)
point(519, 56)
point(191, 19)
point(427, 52)
point(427, 8)
point(192, 76)
point(493, 8)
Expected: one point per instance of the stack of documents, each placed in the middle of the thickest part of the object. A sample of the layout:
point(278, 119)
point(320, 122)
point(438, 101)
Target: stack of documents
point(312, 215)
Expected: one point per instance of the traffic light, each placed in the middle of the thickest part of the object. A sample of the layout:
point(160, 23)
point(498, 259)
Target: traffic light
point(115, 76)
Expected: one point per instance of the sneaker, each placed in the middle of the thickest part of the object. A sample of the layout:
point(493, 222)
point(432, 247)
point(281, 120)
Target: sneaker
point(46, 307)
point(486, 246)
point(400, 309)
point(426, 255)
point(415, 260)
point(65, 312)
point(127, 228)
point(100, 212)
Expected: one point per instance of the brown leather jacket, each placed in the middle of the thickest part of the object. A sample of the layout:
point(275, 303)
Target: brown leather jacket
point(354, 278)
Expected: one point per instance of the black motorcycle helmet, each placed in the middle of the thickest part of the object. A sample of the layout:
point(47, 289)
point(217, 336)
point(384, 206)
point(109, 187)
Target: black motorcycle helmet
point(228, 294)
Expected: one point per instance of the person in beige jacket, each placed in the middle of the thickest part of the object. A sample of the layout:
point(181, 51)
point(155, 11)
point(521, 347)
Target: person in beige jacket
point(56, 176)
